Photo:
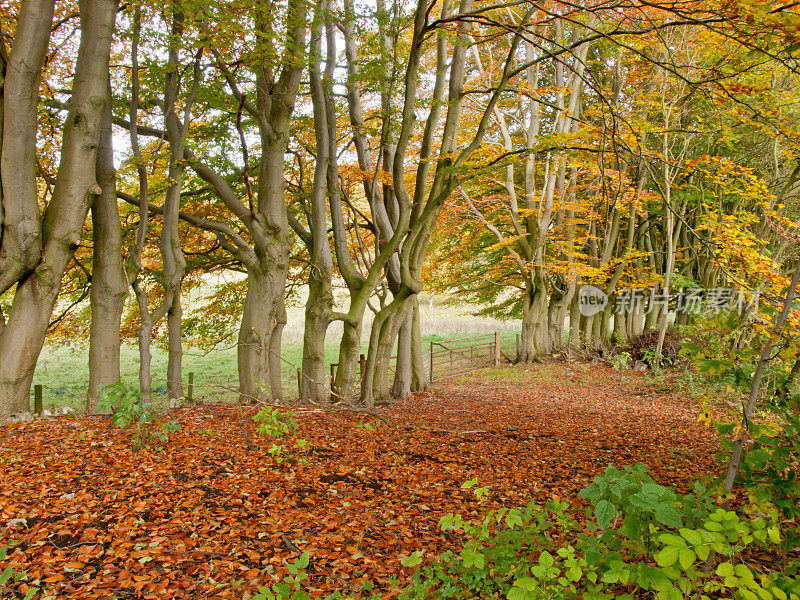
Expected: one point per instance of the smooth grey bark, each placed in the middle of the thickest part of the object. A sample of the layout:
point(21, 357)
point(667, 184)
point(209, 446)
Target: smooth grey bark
point(401, 386)
point(20, 227)
point(387, 219)
point(420, 381)
point(560, 299)
point(254, 337)
point(3, 65)
point(266, 255)
point(109, 286)
point(133, 266)
point(421, 210)
point(319, 305)
point(173, 261)
point(534, 319)
point(375, 386)
point(62, 226)
point(410, 373)
point(574, 343)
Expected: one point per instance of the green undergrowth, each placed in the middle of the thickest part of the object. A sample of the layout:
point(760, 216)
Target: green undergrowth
point(636, 537)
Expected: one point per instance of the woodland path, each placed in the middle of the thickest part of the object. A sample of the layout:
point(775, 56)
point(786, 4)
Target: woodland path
point(213, 515)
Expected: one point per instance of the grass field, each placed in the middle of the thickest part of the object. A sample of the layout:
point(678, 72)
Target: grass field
point(63, 370)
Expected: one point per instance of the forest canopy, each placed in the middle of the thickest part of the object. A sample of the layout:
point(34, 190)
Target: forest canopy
point(354, 156)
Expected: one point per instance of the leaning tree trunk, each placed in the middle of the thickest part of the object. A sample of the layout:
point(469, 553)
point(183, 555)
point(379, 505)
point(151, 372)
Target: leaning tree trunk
point(109, 285)
point(346, 373)
point(385, 326)
point(20, 229)
point(62, 228)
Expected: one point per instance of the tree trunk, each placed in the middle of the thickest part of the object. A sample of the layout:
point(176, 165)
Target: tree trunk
point(620, 329)
point(20, 229)
point(317, 319)
point(255, 332)
point(409, 375)
point(574, 324)
point(385, 326)
point(74, 191)
point(401, 387)
point(534, 317)
point(145, 338)
point(175, 350)
point(109, 286)
point(349, 350)
point(420, 382)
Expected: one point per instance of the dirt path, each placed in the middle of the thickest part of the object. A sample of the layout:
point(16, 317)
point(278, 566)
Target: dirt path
point(214, 515)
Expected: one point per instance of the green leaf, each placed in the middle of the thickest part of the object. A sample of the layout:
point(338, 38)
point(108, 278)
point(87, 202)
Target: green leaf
point(668, 516)
point(774, 534)
point(604, 512)
point(546, 559)
point(686, 557)
point(413, 560)
point(725, 570)
point(702, 551)
point(528, 584)
point(691, 536)
point(667, 556)
point(516, 593)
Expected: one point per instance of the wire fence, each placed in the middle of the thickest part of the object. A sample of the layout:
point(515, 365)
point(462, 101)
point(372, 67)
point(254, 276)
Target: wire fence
point(215, 376)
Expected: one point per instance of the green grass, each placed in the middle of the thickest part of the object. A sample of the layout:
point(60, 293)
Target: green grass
point(63, 371)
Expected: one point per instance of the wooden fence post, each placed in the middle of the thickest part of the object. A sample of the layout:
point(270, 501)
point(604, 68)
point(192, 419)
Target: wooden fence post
point(299, 383)
point(190, 391)
point(333, 373)
point(37, 399)
point(496, 348)
point(431, 368)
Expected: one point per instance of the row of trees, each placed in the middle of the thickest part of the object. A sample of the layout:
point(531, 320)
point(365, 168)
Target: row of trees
point(619, 143)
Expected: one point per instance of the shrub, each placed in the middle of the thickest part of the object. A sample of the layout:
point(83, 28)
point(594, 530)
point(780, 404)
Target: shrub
point(643, 347)
point(274, 423)
point(128, 411)
point(639, 537)
point(621, 361)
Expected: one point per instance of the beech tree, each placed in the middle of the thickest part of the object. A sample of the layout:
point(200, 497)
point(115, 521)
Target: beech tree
point(37, 245)
point(567, 143)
